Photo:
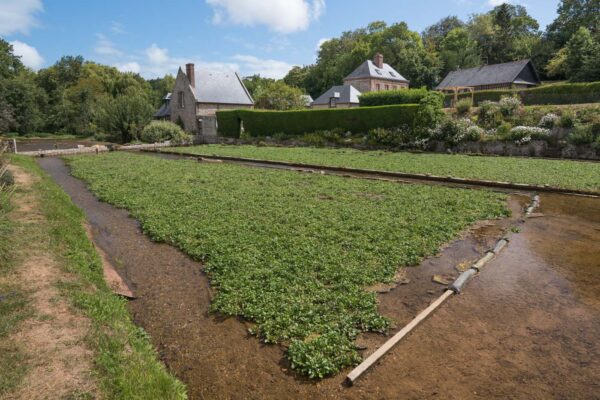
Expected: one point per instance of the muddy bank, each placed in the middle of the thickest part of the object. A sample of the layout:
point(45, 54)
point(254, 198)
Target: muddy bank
point(529, 321)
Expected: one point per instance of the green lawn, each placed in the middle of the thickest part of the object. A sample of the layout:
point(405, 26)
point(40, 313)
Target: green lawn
point(291, 252)
point(556, 173)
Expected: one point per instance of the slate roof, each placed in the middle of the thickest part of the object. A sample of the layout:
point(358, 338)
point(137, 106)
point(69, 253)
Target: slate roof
point(347, 94)
point(220, 87)
point(369, 70)
point(164, 111)
point(496, 74)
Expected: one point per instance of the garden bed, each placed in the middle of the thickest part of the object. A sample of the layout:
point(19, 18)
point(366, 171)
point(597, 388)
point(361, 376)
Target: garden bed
point(291, 253)
point(573, 175)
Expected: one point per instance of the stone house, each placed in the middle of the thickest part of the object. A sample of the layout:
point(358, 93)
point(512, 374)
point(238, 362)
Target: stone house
point(343, 96)
point(376, 75)
point(512, 75)
point(198, 94)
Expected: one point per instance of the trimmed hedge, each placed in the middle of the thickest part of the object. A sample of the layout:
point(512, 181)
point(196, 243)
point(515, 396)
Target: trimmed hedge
point(228, 123)
point(356, 120)
point(563, 93)
point(389, 97)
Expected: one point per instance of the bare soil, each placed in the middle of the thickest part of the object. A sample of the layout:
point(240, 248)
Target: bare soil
point(528, 327)
point(59, 363)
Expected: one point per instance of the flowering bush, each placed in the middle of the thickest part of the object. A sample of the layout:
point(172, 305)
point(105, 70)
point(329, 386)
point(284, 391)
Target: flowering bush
point(524, 134)
point(548, 121)
point(456, 131)
point(509, 105)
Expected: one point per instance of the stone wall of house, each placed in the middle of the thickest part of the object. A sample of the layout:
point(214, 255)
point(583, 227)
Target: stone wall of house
point(370, 85)
point(211, 108)
point(188, 112)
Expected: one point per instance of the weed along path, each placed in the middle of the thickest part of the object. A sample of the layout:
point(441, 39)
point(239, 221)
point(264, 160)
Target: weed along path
point(530, 320)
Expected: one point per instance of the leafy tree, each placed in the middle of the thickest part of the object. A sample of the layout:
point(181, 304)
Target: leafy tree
point(124, 116)
point(297, 76)
point(458, 50)
point(160, 88)
point(253, 82)
point(10, 64)
point(277, 95)
point(434, 35)
point(582, 56)
point(26, 100)
point(572, 15)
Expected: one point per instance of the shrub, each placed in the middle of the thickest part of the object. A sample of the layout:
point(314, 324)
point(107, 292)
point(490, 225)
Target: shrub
point(161, 131)
point(388, 97)
point(489, 114)
point(524, 134)
point(504, 129)
point(430, 112)
point(548, 121)
point(582, 135)
point(454, 131)
point(463, 106)
point(294, 123)
point(567, 120)
point(474, 133)
point(509, 105)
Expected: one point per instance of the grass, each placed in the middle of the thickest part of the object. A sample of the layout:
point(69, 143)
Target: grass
point(125, 362)
point(291, 252)
point(556, 173)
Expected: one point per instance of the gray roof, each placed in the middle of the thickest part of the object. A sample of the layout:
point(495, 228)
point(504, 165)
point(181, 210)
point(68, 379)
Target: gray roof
point(370, 70)
point(497, 74)
point(347, 94)
point(220, 87)
point(165, 109)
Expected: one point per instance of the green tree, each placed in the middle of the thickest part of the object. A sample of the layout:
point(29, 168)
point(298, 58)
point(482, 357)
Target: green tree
point(582, 56)
point(160, 88)
point(253, 82)
point(458, 50)
point(297, 76)
point(277, 95)
point(26, 100)
point(10, 65)
point(434, 34)
point(572, 15)
point(125, 115)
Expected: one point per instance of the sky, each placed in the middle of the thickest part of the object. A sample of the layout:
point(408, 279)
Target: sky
point(266, 37)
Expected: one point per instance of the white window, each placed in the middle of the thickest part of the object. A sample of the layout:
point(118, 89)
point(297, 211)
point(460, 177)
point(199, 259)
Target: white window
point(181, 99)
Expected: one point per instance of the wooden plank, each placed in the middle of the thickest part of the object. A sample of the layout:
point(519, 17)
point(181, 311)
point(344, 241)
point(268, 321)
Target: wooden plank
point(387, 346)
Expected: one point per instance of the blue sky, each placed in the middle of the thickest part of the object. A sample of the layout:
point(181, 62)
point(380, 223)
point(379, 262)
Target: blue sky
point(153, 37)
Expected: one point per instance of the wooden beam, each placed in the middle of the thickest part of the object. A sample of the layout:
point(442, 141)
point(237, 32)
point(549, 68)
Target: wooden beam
point(387, 346)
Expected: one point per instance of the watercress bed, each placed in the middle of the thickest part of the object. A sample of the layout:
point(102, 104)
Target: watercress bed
point(291, 252)
point(556, 173)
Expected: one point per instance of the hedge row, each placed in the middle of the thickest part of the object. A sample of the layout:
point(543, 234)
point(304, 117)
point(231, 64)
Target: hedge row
point(389, 97)
point(356, 120)
point(564, 93)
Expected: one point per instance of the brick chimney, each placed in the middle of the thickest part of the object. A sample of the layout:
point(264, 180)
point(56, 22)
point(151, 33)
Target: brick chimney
point(378, 60)
point(189, 71)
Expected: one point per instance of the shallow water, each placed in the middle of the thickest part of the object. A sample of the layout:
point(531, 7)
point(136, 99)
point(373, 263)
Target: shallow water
point(528, 327)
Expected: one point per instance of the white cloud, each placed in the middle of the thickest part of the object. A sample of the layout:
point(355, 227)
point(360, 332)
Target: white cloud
point(117, 28)
point(105, 47)
point(18, 15)
point(251, 65)
point(29, 55)
point(131, 66)
point(281, 16)
point(156, 55)
point(320, 43)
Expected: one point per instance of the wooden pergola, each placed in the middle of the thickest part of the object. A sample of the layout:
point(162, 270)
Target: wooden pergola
point(456, 90)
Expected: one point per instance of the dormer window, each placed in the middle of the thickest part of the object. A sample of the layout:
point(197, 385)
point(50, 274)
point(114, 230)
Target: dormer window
point(181, 99)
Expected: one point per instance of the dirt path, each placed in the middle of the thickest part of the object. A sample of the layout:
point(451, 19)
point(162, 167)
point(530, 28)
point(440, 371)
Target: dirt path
point(527, 328)
point(59, 363)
